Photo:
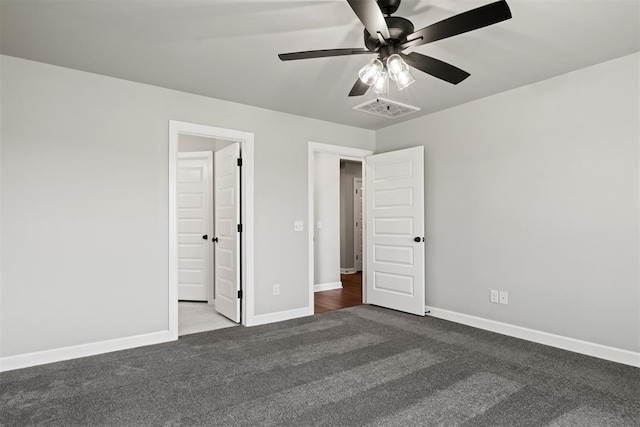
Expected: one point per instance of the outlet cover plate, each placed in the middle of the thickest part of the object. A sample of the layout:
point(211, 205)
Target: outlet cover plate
point(504, 297)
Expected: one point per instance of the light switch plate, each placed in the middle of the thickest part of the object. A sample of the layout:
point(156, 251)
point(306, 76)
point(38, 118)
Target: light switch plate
point(494, 296)
point(298, 226)
point(319, 225)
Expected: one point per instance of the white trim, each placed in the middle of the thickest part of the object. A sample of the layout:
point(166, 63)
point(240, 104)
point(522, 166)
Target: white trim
point(246, 140)
point(571, 344)
point(327, 286)
point(355, 200)
point(280, 316)
point(20, 361)
point(357, 154)
point(174, 128)
point(346, 153)
point(248, 260)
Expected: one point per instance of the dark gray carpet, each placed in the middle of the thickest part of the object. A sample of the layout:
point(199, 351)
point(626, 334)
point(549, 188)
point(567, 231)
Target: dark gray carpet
point(352, 367)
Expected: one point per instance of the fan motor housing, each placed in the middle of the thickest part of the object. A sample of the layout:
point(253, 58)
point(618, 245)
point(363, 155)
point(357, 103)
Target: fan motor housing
point(389, 6)
point(399, 29)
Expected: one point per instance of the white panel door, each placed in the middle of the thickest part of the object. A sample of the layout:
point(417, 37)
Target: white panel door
point(227, 213)
point(394, 212)
point(358, 240)
point(195, 222)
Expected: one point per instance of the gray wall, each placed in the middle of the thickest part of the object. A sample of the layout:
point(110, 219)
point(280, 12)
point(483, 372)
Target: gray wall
point(326, 206)
point(348, 171)
point(84, 202)
point(535, 191)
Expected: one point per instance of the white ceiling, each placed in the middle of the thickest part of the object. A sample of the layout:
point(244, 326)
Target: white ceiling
point(227, 49)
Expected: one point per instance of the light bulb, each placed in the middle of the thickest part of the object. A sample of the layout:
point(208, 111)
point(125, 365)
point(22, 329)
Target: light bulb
point(404, 79)
point(370, 72)
point(395, 65)
point(381, 85)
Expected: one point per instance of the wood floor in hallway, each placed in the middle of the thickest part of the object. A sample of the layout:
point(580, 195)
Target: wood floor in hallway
point(350, 295)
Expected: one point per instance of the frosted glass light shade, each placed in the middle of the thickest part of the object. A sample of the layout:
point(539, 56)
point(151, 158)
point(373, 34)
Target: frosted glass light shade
point(370, 72)
point(381, 85)
point(404, 79)
point(395, 65)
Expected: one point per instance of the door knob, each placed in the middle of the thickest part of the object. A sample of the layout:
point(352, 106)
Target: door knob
point(205, 237)
point(418, 239)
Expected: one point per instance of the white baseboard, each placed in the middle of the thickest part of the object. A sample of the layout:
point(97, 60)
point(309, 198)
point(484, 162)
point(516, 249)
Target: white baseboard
point(348, 270)
point(327, 286)
point(583, 347)
point(263, 319)
point(20, 361)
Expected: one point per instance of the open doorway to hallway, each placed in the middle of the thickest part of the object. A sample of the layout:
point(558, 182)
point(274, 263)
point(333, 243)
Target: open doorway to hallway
point(338, 233)
point(350, 295)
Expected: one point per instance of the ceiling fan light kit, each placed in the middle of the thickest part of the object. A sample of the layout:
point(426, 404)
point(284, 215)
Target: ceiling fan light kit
point(396, 65)
point(370, 72)
point(399, 71)
point(389, 37)
point(381, 85)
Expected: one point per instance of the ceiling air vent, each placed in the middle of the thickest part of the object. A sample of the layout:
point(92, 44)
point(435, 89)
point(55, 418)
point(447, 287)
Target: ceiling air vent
point(386, 108)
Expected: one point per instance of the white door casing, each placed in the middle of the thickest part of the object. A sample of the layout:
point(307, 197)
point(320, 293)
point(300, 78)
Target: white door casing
point(394, 212)
point(358, 224)
point(194, 205)
point(227, 219)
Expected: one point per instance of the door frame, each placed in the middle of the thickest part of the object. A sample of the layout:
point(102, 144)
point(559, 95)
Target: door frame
point(353, 220)
point(344, 153)
point(246, 140)
point(208, 156)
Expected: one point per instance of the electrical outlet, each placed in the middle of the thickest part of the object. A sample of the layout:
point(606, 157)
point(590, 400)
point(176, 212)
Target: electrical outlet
point(276, 289)
point(494, 296)
point(298, 226)
point(504, 297)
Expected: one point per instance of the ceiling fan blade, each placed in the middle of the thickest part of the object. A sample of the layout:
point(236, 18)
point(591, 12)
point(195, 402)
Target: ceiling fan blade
point(371, 16)
point(435, 67)
point(359, 88)
point(467, 21)
point(322, 53)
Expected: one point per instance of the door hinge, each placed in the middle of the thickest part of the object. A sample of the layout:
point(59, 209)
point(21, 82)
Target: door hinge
point(239, 228)
point(239, 161)
point(240, 294)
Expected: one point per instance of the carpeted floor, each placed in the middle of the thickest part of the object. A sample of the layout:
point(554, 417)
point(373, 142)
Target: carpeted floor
point(358, 366)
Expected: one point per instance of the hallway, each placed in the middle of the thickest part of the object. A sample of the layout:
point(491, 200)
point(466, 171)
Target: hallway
point(349, 296)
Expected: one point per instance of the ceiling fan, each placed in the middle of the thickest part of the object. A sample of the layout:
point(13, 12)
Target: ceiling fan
point(388, 36)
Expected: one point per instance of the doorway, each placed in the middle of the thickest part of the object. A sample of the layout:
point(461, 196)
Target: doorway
point(335, 175)
point(348, 292)
point(393, 219)
point(210, 227)
point(198, 211)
